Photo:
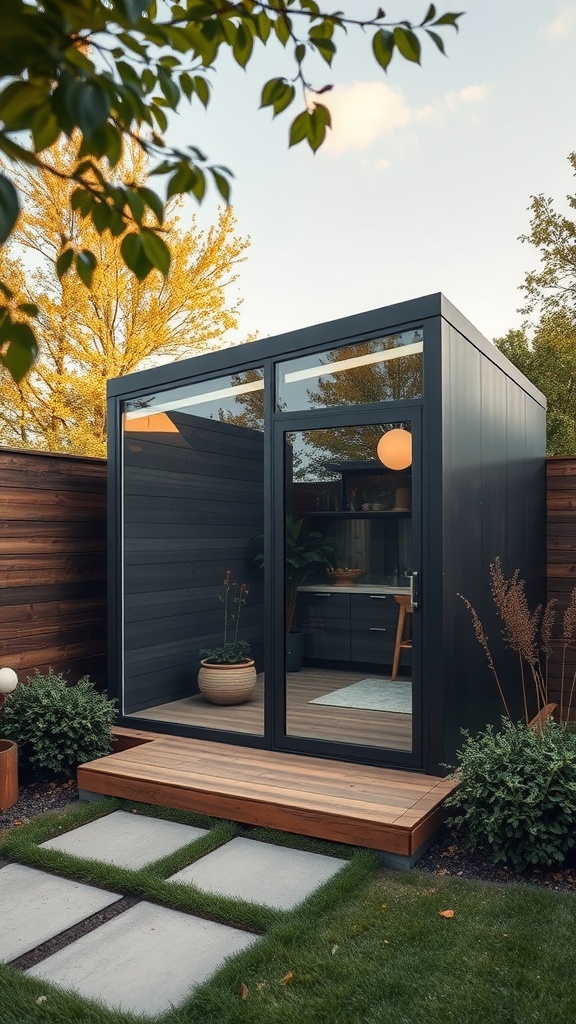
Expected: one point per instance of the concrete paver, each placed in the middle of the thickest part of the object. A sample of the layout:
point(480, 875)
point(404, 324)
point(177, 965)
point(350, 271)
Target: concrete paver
point(124, 839)
point(36, 906)
point(261, 873)
point(144, 960)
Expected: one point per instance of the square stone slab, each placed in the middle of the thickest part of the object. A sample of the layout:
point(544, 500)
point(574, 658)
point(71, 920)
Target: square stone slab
point(273, 875)
point(126, 840)
point(35, 906)
point(144, 960)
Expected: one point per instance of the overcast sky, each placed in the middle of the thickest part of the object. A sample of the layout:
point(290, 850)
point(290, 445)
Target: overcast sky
point(425, 182)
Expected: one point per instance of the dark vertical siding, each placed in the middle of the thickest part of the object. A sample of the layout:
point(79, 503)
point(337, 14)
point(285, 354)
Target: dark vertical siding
point(493, 505)
point(561, 559)
point(53, 564)
point(193, 505)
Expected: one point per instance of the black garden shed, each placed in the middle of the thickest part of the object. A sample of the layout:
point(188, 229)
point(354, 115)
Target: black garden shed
point(401, 445)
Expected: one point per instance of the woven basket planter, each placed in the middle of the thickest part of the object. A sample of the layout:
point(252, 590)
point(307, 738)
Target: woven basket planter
point(227, 684)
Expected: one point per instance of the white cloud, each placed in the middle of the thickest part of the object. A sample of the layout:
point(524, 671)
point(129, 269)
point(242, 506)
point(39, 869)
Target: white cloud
point(564, 22)
point(365, 111)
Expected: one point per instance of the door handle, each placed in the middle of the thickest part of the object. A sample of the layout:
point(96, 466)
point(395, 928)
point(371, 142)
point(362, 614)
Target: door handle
point(378, 629)
point(414, 590)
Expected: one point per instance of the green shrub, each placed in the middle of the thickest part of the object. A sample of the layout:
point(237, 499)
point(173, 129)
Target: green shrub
point(57, 727)
point(517, 794)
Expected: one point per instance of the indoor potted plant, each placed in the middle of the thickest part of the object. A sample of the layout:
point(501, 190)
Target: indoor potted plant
point(227, 672)
point(305, 553)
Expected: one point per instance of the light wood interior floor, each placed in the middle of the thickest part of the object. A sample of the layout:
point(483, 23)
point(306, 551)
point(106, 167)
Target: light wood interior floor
point(382, 729)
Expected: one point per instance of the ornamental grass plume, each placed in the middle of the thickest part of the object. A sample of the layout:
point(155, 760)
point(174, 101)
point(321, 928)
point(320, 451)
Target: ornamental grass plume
point(528, 633)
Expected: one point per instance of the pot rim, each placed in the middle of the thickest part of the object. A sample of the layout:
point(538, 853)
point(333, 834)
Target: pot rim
point(222, 664)
point(7, 745)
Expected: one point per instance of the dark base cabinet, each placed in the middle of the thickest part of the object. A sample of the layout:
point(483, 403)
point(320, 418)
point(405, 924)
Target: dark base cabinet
point(349, 627)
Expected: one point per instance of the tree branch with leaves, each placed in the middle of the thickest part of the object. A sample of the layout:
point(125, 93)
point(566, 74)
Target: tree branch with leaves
point(98, 72)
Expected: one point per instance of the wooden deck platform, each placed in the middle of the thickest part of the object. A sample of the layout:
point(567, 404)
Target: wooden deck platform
point(392, 811)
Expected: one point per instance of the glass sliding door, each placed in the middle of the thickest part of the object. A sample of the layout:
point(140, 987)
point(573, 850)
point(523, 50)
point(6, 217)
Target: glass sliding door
point(351, 547)
point(193, 498)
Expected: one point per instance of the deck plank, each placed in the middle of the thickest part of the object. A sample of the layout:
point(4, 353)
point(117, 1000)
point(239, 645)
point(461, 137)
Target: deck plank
point(363, 805)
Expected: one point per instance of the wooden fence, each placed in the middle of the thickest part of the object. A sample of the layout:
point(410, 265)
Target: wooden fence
point(53, 564)
point(53, 561)
point(561, 558)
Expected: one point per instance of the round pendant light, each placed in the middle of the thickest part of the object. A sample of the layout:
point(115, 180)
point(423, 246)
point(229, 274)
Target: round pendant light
point(395, 448)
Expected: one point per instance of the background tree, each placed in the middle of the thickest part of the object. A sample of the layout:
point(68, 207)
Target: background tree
point(97, 71)
point(119, 325)
point(545, 348)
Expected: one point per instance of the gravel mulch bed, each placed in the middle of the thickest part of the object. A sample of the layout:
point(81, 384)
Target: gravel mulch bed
point(38, 798)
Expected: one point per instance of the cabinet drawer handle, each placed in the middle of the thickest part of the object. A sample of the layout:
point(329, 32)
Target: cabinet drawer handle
point(378, 597)
point(322, 595)
point(378, 629)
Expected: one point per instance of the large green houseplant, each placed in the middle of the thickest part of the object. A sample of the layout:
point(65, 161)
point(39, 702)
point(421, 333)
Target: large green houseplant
point(304, 553)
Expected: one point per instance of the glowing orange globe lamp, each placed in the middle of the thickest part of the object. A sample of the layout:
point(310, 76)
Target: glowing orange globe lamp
point(395, 448)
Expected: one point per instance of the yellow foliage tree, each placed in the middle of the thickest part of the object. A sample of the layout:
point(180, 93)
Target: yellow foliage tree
point(118, 325)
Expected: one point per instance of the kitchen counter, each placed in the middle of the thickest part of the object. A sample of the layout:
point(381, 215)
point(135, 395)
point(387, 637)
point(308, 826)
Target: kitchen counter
point(354, 588)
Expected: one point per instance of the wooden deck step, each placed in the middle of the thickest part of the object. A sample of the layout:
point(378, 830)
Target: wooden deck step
point(389, 810)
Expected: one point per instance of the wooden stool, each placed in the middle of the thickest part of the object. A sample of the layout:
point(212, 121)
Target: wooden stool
point(401, 642)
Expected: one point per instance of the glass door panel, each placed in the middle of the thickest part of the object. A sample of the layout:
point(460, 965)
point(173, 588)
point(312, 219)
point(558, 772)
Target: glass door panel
point(350, 550)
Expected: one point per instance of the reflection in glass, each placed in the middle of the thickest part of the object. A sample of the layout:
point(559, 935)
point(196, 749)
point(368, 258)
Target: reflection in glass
point(380, 370)
point(192, 509)
point(346, 501)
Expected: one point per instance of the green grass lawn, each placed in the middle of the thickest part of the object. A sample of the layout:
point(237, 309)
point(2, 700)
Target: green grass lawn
point(370, 947)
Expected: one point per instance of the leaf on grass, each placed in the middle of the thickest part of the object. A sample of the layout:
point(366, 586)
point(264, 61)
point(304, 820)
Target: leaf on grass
point(243, 991)
point(445, 913)
point(41, 999)
point(334, 948)
point(287, 977)
point(260, 985)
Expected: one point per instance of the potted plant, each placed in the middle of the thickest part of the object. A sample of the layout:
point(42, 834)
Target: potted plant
point(227, 673)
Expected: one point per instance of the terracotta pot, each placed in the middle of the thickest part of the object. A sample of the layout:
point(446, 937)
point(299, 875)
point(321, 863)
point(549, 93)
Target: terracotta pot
point(8, 774)
point(227, 684)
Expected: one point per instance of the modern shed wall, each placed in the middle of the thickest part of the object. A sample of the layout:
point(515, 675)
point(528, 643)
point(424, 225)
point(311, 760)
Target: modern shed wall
point(493, 504)
point(53, 564)
point(192, 508)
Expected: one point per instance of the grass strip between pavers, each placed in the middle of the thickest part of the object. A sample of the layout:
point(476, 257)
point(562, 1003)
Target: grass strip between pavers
point(369, 947)
point(22, 844)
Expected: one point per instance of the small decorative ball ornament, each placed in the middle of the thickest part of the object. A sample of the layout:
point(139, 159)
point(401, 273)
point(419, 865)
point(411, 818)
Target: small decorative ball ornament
point(395, 449)
point(8, 680)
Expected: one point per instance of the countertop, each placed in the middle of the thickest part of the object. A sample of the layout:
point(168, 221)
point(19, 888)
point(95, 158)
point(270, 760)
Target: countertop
point(354, 588)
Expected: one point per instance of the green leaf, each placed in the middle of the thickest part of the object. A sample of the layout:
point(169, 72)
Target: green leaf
point(64, 262)
point(278, 94)
point(299, 128)
point(9, 207)
point(437, 39)
point(408, 44)
point(242, 46)
point(85, 263)
point(18, 100)
point(299, 53)
point(153, 200)
point(449, 19)
point(326, 48)
point(45, 128)
point(21, 351)
point(134, 256)
point(320, 120)
point(282, 28)
point(430, 13)
point(88, 104)
point(169, 88)
point(156, 250)
point(29, 308)
point(202, 90)
point(222, 184)
point(383, 47)
point(136, 204)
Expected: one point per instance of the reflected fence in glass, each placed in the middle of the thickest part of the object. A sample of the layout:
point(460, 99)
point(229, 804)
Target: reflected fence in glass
point(193, 472)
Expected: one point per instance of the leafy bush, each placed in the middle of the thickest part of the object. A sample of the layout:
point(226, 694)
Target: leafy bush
point(517, 793)
point(57, 727)
point(234, 652)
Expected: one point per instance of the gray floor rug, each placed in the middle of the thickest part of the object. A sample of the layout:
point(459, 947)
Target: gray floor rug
point(372, 695)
